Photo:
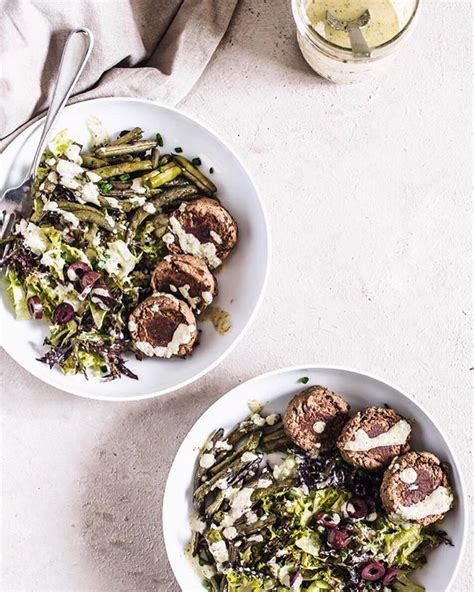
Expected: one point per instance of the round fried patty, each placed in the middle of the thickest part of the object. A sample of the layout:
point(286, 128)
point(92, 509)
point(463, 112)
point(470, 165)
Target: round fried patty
point(163, 326)
point(202, 228)
point(314, 418)
point(186, 277)
point(409, 480)
point(374, 421)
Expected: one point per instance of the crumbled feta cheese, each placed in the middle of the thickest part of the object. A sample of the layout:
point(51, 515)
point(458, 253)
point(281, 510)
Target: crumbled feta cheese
point(197, 524)
point(258, 420)
point(219, 552)
point(230, 532)
point(256, 538)
point(272, 419)
point(255, 406)
point(251, 517)
point(221, 483)
point(264, 483)
point(98, 133)
point(184, 291)
point(73, 153)
point(240, 501)
point(222, 445)
point(173, 288)
point(35, 238)
point(286, 469)
point(94, 177)
point(137, 186)
point(319, 427)
point(149, 208)
point(207, 460)
point(249, 457)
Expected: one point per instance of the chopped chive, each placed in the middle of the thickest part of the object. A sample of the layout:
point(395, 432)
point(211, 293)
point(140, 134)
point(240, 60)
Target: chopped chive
point(124, 177)
point(196, 161)
point(105, 186)
point(304, 380)
point(178, 149)
point(211, 170)
point(159, 139)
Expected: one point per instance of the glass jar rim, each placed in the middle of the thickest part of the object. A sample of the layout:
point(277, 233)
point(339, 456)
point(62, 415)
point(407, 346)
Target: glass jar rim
point(300, 17)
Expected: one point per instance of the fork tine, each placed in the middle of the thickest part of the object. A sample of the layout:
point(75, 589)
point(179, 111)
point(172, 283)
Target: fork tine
point(7, 226)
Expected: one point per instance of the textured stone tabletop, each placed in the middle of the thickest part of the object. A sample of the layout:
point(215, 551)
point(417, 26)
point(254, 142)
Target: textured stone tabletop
point(367, 189)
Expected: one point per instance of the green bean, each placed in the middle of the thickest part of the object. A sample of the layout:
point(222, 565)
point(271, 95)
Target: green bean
point(195, 543)
point(155, 157)
point(214, 506)
point(241, 430)
point(138, 218)
point(119, 169)
point(123, 185)
point(134, 134)
point(230, 474)
point(276, 445)
point(86, 213)
point(91, 162)
point(118, 150)
point(178, 182)
point(248, 529)
point(165, 159)
point(248, 446)
point(201, 180)
point(174, 195)
point(209, 445)
point(214, 584)
point(275, 435)
point(156, 180)
point(275, 487)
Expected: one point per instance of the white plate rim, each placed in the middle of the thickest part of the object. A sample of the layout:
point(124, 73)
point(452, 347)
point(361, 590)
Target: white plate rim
point(92, 395)
point(167, 496)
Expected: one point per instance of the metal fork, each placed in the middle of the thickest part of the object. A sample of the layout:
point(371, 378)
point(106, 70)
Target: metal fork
point(17, 202)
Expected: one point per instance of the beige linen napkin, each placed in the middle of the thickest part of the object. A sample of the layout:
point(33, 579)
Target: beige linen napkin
point(154, 49)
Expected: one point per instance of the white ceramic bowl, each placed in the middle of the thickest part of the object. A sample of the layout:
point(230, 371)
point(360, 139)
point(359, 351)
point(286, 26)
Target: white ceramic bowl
point(241, 282)
point(275, 390)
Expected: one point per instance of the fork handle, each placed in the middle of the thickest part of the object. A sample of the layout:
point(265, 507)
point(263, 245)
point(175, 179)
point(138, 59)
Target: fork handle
point(76, 52)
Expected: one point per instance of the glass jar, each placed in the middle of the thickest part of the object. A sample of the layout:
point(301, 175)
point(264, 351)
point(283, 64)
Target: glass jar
point(337, 63)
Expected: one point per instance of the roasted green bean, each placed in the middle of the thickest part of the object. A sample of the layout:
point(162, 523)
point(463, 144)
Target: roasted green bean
point(91, 162)
point(86, 213)
point(134, 134)
point(119, 149)
point(119, 169)
point(195, 174)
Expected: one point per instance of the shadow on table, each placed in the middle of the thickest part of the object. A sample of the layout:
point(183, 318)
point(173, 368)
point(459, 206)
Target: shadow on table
point(122, 489)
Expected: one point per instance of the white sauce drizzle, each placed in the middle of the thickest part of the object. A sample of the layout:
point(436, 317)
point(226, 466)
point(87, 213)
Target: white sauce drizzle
point(397, 435)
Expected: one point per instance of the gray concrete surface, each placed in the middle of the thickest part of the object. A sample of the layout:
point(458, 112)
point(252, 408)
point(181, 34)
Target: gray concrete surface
point(367, 190)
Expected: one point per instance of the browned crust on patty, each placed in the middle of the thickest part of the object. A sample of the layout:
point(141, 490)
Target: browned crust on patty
point(315, 404)
point(178, 271)
point(374, 421)
point(430, 475)
point(201, 218)
point(155, 320)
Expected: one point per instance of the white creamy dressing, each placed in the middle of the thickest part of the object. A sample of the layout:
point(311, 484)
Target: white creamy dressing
point(184, 291)
point(137, 186)
point(439, 501)
point(52, 206)
point(222, 445)
point(182, 336)
point(190, 244)
point(35, 238)
point(240, 501)
point(383, 25)
point(207, 297)
point(120, 261)
point(97, 131)
point(408, 475)
point(249, 457)
point(397, 435)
